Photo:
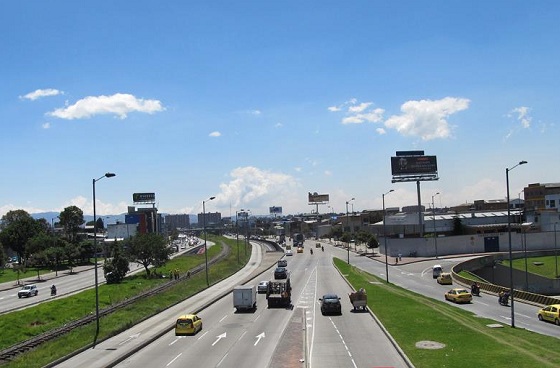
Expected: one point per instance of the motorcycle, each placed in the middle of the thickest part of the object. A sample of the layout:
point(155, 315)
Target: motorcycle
point(503, 299)
point(311, 250)
point(475, 290)
point(322, 248)
point(53, 290)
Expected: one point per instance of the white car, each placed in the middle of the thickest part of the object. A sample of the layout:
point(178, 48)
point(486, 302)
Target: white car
point(289, 252)
point(262, 287)
point(27, 291)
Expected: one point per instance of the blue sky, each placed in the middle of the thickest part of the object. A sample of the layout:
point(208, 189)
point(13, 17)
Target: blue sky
point(258, 102)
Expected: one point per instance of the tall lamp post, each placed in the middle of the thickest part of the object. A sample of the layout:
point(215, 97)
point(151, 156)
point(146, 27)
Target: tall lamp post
point(385, 236)
point(434, 218)
point(237, 226)
point(348, 226)
point(509, 240)
point(107, 175)
point(555, 251)
point(204, 229)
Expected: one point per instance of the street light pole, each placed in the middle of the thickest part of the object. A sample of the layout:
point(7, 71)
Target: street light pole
point(509, 240)
point(348, 226)
point(434, 218)
point(555, 251)
point(107, 175)
point(385, 236)
point(204, 229)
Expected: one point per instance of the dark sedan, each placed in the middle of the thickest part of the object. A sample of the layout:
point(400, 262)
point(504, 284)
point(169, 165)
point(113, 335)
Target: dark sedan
point(330, 304)
point(280, 273)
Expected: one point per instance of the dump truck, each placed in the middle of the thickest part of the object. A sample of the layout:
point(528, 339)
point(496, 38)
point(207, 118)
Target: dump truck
point(245, 297)
point(279, 293)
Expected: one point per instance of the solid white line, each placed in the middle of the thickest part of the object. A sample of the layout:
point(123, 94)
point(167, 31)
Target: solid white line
point(222, 360)
point(173, 342)
point(224, 317)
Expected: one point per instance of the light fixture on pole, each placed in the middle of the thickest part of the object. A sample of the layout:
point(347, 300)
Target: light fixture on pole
point(509, 240)
point(385, 236)
point(107, 175)
point(204, 229)
point(237, 232)
point(348, 226)
point(434, 217)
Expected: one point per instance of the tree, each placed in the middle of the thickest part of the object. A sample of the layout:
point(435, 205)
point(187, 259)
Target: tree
point(17, 228)
point(457, 226)
point(71, 220)
point(116, 267)
point(99, 224)
point(148, 250)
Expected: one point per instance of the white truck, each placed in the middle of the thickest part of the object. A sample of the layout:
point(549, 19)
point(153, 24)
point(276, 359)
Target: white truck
point(245, 297)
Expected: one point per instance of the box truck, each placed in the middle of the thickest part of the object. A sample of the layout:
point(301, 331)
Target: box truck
point(245, 297)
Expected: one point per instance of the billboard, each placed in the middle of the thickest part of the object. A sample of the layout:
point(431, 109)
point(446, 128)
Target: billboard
point(414, 165)
point(275, 210)
point(143, 197)
point(317, 198)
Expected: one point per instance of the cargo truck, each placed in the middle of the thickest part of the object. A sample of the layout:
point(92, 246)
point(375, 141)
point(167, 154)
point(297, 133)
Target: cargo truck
point(245, 297)
point(279, 293)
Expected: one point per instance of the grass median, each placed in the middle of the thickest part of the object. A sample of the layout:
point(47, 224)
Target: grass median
point(21, 325)
point(467, 339)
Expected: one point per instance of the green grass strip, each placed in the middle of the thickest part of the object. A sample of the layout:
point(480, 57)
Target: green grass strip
point(412, 318)
point(21, 325)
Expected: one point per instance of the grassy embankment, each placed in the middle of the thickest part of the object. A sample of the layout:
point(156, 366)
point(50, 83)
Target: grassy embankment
point(21, 325)
point(469, 342)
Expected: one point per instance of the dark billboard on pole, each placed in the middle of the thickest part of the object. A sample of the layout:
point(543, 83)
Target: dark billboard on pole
point(414, 165)
point(143, 197)
point(317, 198)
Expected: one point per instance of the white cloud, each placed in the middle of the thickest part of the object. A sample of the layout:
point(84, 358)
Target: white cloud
point(483, 189)
point(252, 187)
point(381, 131)
point(359, 108)
point(426, 118)
point(278, 125)
point(359, 113)
point(46, 125)
point(101, 208)
point(119, 104)
point(215, 134)
point(328, 173)
point(523, 116)
point(39, 93)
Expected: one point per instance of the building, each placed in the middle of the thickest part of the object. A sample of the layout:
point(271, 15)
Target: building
point(146, 219)
point(212, 219)
point(542, 205)
point(181, 221)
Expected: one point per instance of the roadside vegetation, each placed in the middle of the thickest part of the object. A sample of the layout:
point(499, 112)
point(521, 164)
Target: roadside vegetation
point(411, 318)
point(21, 325)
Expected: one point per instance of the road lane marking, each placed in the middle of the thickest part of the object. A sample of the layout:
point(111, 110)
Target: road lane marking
point(174, 359)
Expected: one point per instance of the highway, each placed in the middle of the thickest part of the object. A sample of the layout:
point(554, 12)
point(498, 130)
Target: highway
point(283, 337)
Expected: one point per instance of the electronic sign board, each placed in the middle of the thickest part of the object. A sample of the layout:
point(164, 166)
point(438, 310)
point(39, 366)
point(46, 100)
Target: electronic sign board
point(414, 165)
point(275, 210)
point(143, 197)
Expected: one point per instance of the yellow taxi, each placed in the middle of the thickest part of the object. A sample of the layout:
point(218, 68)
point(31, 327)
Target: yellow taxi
point(458, 295)
point(550, 313)
point(188, 324)
point(300, 250)
point(444, 278)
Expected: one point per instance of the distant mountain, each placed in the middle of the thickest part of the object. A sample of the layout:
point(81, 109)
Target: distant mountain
point(52, 217)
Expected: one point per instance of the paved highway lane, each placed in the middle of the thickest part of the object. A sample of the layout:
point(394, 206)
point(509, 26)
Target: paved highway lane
point(266, 337)
point(145, 333)
point(417, 277)
point(66, 283)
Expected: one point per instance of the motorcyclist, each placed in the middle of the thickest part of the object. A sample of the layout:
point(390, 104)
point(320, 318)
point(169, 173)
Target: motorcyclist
point(475, 288)
point(322, 248)
point(53, 290)
point(311, 250)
